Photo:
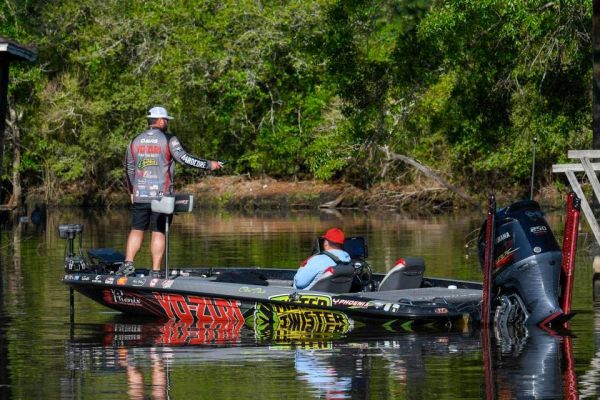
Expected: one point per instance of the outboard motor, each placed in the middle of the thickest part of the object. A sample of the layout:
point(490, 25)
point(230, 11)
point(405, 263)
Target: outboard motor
point(526, 266)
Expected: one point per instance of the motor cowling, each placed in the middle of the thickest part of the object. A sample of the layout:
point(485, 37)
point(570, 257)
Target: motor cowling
point(527, 260)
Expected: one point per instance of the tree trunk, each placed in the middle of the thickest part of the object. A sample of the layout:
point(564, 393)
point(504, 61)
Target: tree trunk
point(4, 65)
point(596, 74)
point(13, 124)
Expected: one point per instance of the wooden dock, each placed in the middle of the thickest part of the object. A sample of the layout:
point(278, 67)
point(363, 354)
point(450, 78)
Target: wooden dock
point(586, 165)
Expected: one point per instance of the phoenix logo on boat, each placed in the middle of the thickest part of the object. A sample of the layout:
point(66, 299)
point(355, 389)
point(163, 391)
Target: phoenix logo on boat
point(118, 296)
point(351, 303)
point(193, 308)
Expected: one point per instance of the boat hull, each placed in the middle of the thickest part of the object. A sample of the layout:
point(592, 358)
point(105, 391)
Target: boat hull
point(231, 305)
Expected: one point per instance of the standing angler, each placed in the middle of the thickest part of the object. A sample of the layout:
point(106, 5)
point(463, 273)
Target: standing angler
point(150, 172)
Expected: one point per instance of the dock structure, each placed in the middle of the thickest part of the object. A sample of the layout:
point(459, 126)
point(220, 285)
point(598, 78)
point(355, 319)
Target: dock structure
point(586, 165)
point(10, 51)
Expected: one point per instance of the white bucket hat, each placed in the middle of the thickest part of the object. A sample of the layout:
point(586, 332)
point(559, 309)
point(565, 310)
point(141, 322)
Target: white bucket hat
point(158, 112)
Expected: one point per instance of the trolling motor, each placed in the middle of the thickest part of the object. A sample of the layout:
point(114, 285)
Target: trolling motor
point(526, 266)
point(73, 262)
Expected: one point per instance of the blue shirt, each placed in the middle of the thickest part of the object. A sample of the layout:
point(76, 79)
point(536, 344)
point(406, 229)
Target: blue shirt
point(315, 266)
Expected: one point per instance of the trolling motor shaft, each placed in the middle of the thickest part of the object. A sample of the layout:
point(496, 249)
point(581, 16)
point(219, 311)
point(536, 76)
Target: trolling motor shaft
point(73, 263)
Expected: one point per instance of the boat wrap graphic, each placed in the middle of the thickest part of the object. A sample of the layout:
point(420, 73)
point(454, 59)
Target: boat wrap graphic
point(194, 308)
point(294, 316)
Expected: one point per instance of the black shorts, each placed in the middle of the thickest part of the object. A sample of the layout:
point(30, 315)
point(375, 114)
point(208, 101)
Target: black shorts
point(143, 219)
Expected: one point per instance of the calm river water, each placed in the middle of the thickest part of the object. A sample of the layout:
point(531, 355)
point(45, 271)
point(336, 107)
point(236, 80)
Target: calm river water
point(108, 356)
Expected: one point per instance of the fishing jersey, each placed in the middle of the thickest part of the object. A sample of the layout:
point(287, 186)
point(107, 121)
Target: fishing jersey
point(317, 264)
point(149, 164)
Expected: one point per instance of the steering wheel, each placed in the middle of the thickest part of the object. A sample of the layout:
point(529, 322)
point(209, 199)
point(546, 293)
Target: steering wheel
point(362, 275)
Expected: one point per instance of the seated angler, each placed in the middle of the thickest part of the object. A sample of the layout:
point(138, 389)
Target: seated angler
point(331, 256)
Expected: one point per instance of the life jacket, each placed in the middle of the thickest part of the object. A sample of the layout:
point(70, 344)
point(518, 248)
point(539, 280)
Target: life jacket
point(335, 258)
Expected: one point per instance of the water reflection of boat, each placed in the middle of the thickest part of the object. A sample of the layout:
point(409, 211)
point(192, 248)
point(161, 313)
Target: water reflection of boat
point(533, 364)
point(536, 365)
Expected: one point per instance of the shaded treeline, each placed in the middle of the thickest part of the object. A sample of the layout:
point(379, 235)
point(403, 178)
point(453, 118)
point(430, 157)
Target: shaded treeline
point(302, 89)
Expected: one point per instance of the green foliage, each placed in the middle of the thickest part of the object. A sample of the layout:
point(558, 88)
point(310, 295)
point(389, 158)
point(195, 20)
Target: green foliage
point(522, 70)
point(303, 89)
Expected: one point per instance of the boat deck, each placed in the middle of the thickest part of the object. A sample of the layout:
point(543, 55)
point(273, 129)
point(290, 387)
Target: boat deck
point(424, 295)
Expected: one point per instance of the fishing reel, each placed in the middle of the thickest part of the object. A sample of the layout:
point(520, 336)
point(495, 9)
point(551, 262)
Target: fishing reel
point(74, 262)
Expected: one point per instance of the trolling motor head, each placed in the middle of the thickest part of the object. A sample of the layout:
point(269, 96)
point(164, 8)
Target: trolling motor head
point(526, 265)
point(73, 262)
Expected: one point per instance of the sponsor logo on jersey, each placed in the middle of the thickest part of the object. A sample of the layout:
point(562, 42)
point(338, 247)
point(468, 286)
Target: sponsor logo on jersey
point(146, 162)
point(194, 162)
point(148, 149)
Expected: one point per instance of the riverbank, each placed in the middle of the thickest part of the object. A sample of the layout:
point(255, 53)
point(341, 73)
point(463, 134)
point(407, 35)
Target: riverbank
point(241, 192)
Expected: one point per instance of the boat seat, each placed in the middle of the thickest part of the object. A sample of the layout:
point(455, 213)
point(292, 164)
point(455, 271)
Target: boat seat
point(336, 279)
point(406, 274)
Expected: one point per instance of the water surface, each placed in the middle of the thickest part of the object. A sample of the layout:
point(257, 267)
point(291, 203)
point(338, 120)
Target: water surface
point(108, 356)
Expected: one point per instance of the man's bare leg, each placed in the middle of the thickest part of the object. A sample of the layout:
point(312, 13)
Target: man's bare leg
point(157, 248)
point(134, 243)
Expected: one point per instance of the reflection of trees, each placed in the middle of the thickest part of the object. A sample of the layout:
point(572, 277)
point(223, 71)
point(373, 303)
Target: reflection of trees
point(285, 238)
point(15, 275)
point(590, 381)
point(4, 372)
point(11, 278)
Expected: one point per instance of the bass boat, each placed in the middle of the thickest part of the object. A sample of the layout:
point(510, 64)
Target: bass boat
point(528, 285)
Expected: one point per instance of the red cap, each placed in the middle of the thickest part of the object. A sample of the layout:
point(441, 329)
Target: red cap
point(334, 235)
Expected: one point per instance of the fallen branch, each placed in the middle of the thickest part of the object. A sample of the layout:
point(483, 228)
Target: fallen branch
point(429, 172)
point(334, 203)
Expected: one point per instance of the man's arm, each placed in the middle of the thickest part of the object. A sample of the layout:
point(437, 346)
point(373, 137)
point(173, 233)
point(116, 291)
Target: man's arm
point(183, 157)
point(130, 167)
